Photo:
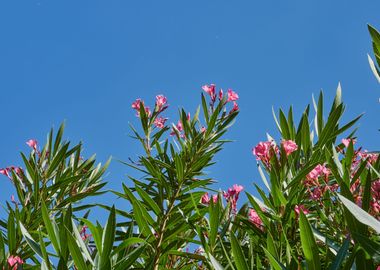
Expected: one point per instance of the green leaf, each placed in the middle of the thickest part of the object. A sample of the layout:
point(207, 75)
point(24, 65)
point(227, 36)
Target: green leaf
point(237, 253)
point(360, 214)
point(341, 256)
point(51, 228)
point(277, 265)
point(45, 256)
point(11, 228)
point(75, 252)
point(148, 200)
point(309, 246)
point(374, 68)
point(29, 239)
point(108, 240)
point(215, 263)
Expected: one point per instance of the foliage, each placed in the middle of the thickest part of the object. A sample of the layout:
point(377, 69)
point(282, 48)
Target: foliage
point(318, 206)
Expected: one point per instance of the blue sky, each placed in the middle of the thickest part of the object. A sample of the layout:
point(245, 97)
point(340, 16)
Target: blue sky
point(86, 61)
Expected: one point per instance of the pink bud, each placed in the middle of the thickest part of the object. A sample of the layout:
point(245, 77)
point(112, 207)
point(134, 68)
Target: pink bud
point(205, 199)
point(32, 144)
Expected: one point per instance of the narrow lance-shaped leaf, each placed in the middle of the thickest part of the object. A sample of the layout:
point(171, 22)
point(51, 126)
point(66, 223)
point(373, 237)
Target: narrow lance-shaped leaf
point(309, 246)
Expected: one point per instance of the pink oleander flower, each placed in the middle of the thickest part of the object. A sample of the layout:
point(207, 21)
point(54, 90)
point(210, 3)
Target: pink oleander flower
point(14, 261)
point(232, 195)
point(346, 142)
point(371, 157)
point(316, 194)
point(232, 96)
point(32, 144)
point(235, 107)
point(5, 171)
point(136, 104)
point(220, 94)
point(376, 189)
point(147, 111)
point(375, 207)
point(160, 101)
point(205, 199)
point(177, 127)
point(255, 219)
point(318, 171)
point(210, 89)
point(160, 122)
point(264, 151)
point(18, 171)
point(215, 198)
point(289, 146)
point(299, 208)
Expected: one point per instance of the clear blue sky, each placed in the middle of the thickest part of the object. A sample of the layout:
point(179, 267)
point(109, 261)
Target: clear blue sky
point(86, 61)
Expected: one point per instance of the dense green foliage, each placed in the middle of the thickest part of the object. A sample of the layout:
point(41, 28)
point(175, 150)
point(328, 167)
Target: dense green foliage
point(316, 208)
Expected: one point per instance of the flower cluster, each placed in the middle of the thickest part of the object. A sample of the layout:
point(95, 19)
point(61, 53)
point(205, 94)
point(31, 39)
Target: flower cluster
point(231, 196)
point(160, 106)
point(84, 234)
point(32, 143)
point(14, 262)
point(264, 151)
point(317, 182)
point(205, 199)
point(231, 96)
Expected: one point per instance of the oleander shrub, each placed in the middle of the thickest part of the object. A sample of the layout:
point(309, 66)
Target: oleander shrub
point(316, 206)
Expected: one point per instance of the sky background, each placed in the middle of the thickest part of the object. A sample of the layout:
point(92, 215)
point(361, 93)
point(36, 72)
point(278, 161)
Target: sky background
point(86, 61)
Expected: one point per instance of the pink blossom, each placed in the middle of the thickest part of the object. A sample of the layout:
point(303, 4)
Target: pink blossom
point(376, 189)
point(147, 111)
point(215, 198)
point(346, 142)
point(318, 171)
point(14, 261)
point(84, 233)
point(205, 199)
point(232, 195)
point(136, 104)
point(210, 89)
point(235, 107)
point(264, 151)
point(375, 207)
point(160, 122)
point(220, 94)
point(177, 127)
point(371, 157)
point(300, 207)
point(203, 129)
point(232, 96)
point(316, 194)
point(32, 144)
point(18, 171)
point(160, 101)
point(289, 146)
point(255, 219)
point(5, 172)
